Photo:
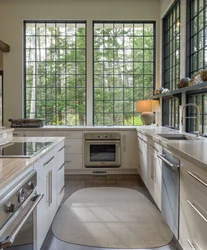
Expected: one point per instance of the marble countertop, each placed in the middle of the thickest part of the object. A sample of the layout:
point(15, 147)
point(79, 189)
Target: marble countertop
point(12, 168)
point(193, 150)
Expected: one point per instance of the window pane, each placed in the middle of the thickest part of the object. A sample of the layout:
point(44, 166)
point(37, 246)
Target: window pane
point(55, 72)
point(124, 72)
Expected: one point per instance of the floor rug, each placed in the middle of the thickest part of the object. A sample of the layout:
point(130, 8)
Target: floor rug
point(111, 217)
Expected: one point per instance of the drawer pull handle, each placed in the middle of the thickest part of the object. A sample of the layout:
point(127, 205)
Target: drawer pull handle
point(49, 161)
point(197, 178)
point(154, 148)
point(62, 189)
point(140, 151)
point(61, 149)
point(191, 244)
point(197, 211)
point(68, 161)
point(61, 167)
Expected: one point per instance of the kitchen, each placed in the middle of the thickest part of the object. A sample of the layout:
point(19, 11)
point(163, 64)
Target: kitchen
point(131, 141)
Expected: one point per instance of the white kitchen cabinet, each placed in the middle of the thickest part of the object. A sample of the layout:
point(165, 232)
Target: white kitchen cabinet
point(18, 133)
point(155, 172)
point(129, 157)
point(143, 154)
point(193, 216)
point(50, 181)
point(73, 162)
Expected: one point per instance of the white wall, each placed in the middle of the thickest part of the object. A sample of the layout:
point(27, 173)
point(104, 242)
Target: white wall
point(13, 12)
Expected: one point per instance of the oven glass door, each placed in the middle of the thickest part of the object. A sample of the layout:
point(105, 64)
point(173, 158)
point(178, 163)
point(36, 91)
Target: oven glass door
point(106, 152)
point(19, 234)
point(102, 154)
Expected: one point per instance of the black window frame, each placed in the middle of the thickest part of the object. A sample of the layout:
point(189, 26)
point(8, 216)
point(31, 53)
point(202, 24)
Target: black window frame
point(56, 75)
point(192, 37)
point(171, 68)
point(154, 64)
point(171, 118)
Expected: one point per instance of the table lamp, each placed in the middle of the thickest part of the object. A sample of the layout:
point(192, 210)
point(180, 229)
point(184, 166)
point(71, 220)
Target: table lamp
point(147, 107)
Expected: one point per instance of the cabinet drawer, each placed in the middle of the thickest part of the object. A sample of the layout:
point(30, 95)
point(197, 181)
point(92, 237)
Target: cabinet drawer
point(73, 161)
point(193, 216)
point(194, 174)
point(67, 134)
point(73, 146)
point(18, 133)
point(33, 133)
point(45, 161)
point(60, 182)
point(61, 153)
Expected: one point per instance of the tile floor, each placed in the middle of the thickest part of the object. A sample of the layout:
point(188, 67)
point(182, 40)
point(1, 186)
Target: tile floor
point(76, 182)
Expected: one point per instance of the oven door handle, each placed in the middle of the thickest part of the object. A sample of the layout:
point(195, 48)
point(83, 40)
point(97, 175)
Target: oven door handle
point(11, 238)
point(103, 141)
point(173, 166)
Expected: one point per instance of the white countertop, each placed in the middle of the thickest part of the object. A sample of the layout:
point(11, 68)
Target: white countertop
point(12, 168)
point(112, 128)
point(193, 150)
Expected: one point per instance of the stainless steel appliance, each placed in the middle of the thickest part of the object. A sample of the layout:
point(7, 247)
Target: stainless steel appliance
point(170, 190)
point(21, 149)
point(16, 214)
point(102, 150)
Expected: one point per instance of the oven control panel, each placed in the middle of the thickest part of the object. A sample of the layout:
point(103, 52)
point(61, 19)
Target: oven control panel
point(102, 136)
point(16, 196)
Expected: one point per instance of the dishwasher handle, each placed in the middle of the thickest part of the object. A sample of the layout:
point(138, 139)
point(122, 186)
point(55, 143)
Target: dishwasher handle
point(173, 166)
point(11, 238)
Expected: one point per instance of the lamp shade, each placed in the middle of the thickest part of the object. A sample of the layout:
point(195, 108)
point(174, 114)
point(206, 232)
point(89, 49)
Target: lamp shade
point(147, 106)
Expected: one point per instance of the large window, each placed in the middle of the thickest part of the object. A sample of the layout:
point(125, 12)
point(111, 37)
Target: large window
point(124, 68)
point(55, 72)
point(171, 43)
point(197, 27)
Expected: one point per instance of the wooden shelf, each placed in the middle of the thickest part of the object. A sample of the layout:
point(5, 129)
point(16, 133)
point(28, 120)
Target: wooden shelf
point(171, 94)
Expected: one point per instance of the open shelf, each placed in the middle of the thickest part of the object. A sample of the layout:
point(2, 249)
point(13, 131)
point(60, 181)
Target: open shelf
point(171, 94)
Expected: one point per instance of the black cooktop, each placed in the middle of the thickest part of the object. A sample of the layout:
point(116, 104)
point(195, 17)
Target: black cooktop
point(22, 149)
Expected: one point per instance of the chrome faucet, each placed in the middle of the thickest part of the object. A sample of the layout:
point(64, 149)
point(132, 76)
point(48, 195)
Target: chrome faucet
point(197, 117)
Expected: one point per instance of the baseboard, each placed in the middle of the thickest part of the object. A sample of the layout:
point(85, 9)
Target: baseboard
point(100, 171)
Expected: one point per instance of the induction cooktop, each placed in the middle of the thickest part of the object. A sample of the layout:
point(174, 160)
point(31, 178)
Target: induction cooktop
point(22, 149)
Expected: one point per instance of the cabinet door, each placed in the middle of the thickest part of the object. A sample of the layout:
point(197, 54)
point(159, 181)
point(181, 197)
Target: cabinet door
point(73, 161)
point(41, 226)
point(193, 216)
point(129, 158)
point(155, 173)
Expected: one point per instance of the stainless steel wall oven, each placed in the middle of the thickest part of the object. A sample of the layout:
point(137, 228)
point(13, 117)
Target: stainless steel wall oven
point(102, 150)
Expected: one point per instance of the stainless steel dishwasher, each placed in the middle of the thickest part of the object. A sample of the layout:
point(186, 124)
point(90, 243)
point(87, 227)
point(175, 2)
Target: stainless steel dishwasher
point(170, 190)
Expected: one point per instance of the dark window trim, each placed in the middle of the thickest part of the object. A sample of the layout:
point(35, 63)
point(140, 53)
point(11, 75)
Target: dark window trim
point(24, 56)
point(175, 4)
point(175, 113)
point(127, 22)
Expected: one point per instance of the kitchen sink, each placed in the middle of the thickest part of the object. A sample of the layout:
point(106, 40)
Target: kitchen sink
point(178, 137)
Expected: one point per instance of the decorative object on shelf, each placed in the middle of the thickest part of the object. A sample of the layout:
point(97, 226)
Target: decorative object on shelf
point(165, 90)
point(196, 78)
point(158, 91)
point(147, 107)
point(203, 74)
point(26, 123)
point(184, 82)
